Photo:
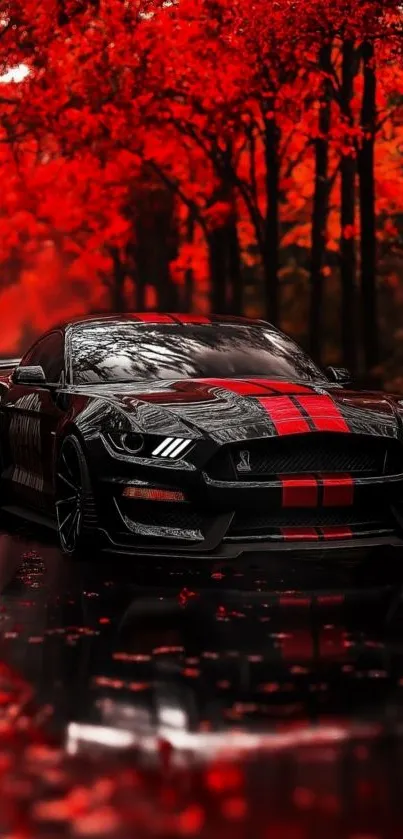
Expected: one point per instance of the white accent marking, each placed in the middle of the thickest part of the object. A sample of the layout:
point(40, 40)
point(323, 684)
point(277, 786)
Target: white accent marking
point(179, 448)
point(162, 445)
point(172, 447)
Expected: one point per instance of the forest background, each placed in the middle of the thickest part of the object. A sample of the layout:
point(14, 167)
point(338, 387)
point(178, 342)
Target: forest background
point(232, 156)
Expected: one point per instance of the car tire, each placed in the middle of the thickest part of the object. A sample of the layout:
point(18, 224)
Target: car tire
point(75, 505)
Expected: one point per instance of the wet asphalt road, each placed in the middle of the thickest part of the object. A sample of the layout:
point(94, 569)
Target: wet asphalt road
point(296, 663)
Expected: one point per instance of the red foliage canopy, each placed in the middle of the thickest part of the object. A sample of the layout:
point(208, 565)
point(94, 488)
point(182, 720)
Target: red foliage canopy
point(213, 103)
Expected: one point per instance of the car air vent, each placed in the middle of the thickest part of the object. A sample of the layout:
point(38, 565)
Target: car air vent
point(356, 455)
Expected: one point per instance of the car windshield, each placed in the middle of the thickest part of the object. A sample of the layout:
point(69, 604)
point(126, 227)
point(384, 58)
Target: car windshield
point(127, 351)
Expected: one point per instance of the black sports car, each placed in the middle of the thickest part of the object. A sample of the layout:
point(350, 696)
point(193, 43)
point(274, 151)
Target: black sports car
point(193, 436)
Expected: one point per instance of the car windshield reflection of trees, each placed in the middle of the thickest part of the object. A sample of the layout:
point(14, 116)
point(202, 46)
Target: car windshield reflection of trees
point(124, 352)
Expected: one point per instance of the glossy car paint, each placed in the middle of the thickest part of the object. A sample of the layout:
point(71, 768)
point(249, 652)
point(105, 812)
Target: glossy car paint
point(214, 414)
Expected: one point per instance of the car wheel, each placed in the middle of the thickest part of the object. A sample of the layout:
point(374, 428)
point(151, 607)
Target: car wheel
point(75, 507)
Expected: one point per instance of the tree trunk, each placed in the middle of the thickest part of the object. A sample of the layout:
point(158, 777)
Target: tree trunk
point(137, 254)
point(225, 269)
point(234, 268)
point(156, 245)
point(348, 263)
point(165, 252)
point(217, 245)
point(118, 302)
point(320, 210)
point(271, 259)
point(347, 218)
point(366, 173)
point(189, 276)
point(141, 293)
point(232, 253)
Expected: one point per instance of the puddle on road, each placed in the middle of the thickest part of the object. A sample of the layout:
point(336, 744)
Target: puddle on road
point(149, 675)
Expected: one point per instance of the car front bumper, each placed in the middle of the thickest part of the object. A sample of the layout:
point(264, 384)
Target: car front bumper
point(232, 518)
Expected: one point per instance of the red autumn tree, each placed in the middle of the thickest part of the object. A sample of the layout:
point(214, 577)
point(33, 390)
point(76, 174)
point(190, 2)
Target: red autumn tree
point(166, 152)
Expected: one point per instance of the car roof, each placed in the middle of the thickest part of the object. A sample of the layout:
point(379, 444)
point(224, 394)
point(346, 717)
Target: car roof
point(167, 318)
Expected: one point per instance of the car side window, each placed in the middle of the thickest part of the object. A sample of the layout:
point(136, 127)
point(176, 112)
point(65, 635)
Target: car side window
point(49, 354)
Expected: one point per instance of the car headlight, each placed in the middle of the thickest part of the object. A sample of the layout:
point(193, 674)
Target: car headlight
point(128, 441)
point(131, 442)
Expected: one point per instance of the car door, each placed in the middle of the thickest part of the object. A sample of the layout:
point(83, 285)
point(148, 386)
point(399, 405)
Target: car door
point(30, 417)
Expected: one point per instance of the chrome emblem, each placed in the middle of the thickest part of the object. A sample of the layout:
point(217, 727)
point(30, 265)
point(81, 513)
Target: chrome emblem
point(244, 462)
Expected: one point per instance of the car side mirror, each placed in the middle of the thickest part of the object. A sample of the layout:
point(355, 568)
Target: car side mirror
point(30, 375)
point(339, 375)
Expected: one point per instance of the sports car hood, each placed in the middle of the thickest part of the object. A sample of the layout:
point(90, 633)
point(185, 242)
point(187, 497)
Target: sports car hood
point(228, 410)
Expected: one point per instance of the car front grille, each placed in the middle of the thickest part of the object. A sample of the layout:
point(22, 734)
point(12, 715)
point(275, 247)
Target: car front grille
point(249, 524)
point(313, 453)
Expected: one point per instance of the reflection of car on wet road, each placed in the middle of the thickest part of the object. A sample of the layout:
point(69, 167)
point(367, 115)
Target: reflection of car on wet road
point(158, 668)
point(142, 658)
point(194, 436)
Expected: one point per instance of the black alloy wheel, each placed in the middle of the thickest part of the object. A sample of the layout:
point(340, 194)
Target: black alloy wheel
point(73, 494)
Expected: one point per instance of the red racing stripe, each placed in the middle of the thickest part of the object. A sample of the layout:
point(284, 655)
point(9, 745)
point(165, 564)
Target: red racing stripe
point(338, 490)
point(154, 317)
point(299, 534)
point(286, 387)
point(284, 415)
point(256, 387)
point(243, 388)
point(299, 491)
point(339, 532)
point(191, 318)
point(324, 413)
